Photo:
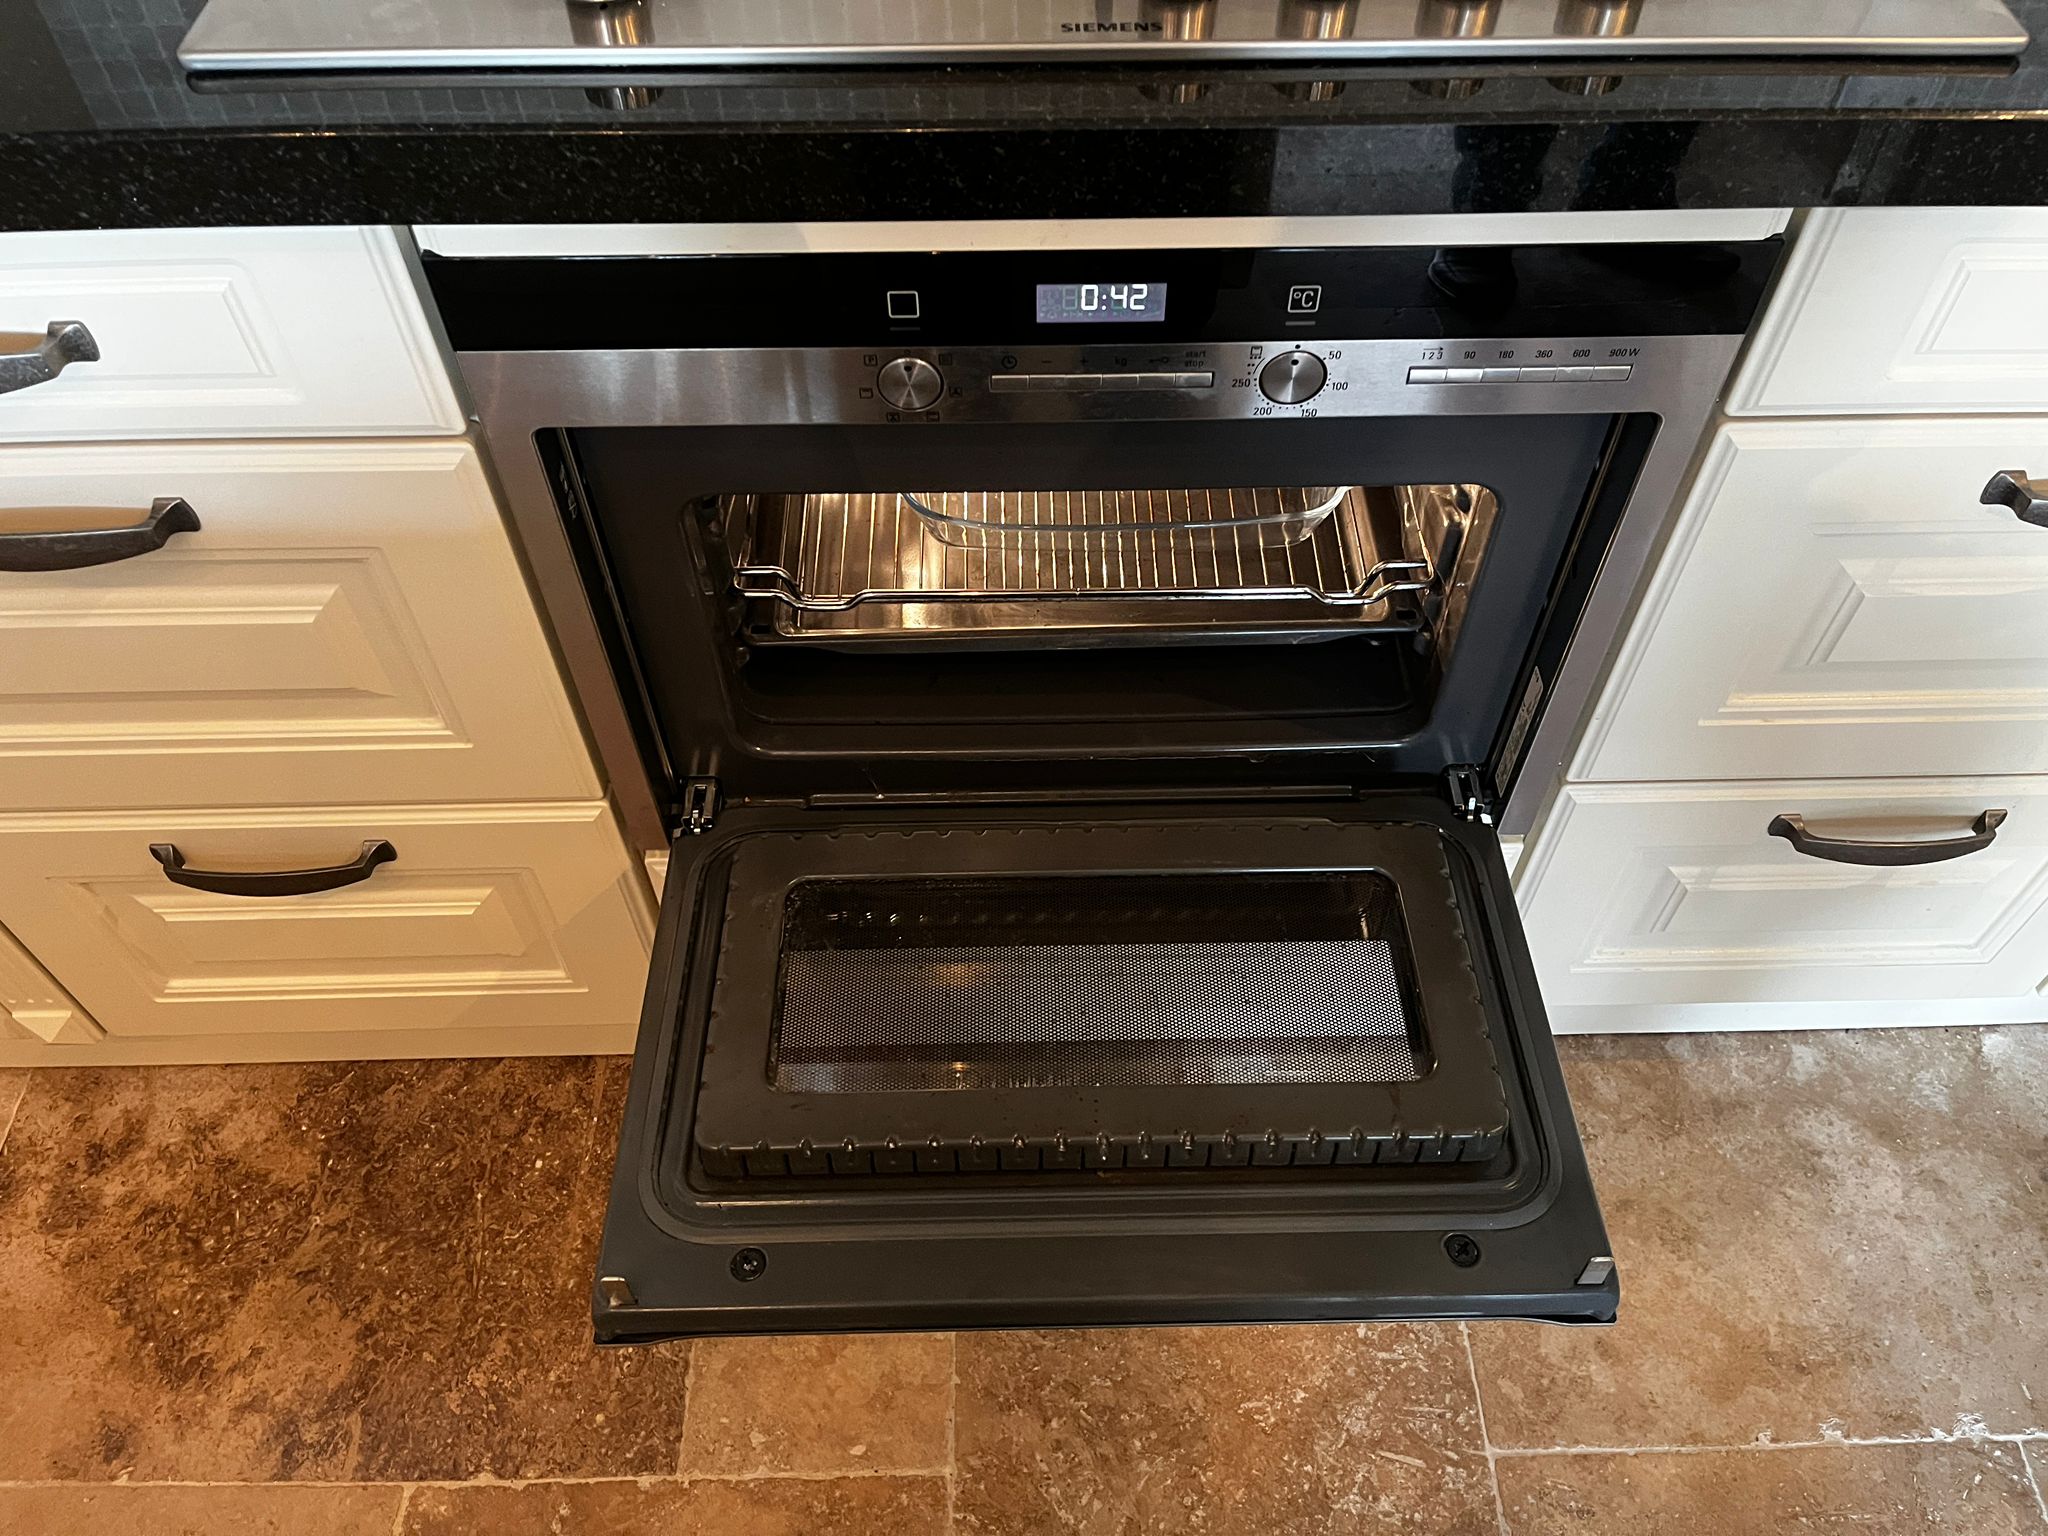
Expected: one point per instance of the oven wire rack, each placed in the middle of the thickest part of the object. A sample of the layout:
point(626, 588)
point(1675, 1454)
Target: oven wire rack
point(829, 552)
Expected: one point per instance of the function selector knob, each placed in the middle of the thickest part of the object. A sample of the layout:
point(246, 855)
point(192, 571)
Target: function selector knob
point(910, 384)
point(1292, 377)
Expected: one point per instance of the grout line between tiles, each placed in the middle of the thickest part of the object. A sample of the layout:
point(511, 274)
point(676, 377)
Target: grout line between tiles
point(689, 1382)
point(952, 1418)
point(1500, 1508)
point(1832, 1443)
point(850, 1475)
point(772, 1477)
point(2034, 1482)
point(404, 1500)
point(14, 1109)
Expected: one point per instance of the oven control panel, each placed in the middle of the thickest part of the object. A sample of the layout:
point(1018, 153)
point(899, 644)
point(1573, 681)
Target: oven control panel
point(1230, 380)
point(912, 339)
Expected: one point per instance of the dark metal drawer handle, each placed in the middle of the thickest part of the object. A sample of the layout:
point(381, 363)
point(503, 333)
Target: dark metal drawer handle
point(284, 882)
point(1847, 850)
point(67, 341)
point(2015, 489)
point(98, 546)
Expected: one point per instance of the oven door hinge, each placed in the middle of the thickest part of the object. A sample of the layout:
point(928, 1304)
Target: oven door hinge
point(1470, 797)
point(700, 805)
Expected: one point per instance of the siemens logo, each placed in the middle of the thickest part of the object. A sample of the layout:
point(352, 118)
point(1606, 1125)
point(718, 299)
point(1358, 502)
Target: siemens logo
point(1112, 26)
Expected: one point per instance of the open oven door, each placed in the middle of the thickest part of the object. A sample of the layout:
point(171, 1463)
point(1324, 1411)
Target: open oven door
point(940, 1065)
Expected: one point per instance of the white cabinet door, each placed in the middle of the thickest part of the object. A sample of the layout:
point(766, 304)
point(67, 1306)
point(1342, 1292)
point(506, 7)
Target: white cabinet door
point(489, 919)
point(1836, 602)
point(348, 623)
point(33, 1006)
point(223, 333)
point(1905, 309)
point(1652, 895)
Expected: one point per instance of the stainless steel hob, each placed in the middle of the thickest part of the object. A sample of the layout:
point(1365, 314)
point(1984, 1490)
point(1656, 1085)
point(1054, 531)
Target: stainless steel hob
point(319, 36)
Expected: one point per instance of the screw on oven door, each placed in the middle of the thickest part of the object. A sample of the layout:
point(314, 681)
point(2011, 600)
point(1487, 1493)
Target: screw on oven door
point(749, 1264)
point(1463, 1251)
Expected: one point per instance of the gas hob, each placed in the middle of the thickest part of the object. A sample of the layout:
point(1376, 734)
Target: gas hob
point(319, 36)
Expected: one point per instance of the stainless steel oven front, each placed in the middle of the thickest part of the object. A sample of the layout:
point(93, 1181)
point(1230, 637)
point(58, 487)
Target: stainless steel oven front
point(1080, 693)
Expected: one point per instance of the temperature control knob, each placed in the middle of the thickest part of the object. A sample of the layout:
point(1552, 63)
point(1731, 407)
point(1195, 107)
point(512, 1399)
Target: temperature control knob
point(1292, 377)
point(910, 384)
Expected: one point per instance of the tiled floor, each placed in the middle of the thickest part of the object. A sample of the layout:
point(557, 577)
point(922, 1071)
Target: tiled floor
point(342, 1299)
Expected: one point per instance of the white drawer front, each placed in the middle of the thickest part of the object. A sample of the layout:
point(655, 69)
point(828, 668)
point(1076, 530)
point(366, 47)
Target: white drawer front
point(488, 917)
point(1906, 309)
point(1837, 602)
point(1655, 894)
point(223, 333)
point(33, 1007)
point(348, 623)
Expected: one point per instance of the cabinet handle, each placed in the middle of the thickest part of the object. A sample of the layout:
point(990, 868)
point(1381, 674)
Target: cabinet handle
point(1848, 850)
point(98, 546)
point(66, 341)
point(2013, 488)
point(283, 882)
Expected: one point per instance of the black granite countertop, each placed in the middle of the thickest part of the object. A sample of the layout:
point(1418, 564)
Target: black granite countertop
point(99, 127)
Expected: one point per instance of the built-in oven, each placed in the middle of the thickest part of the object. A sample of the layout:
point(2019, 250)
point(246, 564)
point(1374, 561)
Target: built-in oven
point(1080, 693)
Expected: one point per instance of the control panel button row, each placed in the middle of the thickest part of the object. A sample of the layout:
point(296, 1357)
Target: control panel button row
point(1072, 383)
point(1612, 373)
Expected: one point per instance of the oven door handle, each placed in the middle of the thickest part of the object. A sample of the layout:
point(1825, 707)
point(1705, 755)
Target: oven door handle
point(282, 882)
point(1882, 855)
point(2015, 488)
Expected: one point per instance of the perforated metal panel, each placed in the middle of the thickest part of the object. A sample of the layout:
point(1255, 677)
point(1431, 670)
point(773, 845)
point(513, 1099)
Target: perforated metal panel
point(1100, 982)
point(1093, 1015)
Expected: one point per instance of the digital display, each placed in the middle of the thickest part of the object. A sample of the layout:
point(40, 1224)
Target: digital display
point(1085, 303)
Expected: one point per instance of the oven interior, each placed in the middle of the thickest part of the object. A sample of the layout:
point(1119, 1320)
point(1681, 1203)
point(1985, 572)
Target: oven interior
point(1067, 567)
point(835, 610)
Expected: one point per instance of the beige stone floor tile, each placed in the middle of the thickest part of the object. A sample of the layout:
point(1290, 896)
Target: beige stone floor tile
point(1864, 1490)
point(853, 1506)
point(859, 1403)
point(370, 1271)
point(220, 1511)
point(1335, 1429)
point(1817, 1233)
